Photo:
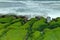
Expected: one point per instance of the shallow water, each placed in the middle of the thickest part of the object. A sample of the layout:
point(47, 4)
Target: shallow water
point(32, 8)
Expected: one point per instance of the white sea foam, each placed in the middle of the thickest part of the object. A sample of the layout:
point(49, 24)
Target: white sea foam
point(33, 8)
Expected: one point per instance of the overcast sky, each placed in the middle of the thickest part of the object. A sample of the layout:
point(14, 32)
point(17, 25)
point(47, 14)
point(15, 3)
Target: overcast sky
point(46, 8)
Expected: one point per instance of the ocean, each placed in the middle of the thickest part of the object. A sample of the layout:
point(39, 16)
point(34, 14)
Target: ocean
point(33, 8)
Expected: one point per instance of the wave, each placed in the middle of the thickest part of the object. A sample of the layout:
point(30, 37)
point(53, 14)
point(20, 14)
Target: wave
point(34, 8)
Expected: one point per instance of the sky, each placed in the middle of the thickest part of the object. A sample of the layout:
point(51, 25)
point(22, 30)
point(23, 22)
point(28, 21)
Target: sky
point(34, 8)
